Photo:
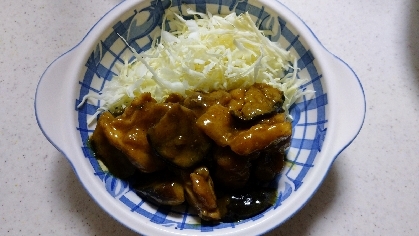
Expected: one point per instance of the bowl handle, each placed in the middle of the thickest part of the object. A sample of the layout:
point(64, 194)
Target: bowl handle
point(347, 92)
point(50, 106)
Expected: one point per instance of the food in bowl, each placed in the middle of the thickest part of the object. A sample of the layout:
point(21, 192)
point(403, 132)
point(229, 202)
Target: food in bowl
point(206, 121)
point(207, 154)
point(205, 53)
point(323, 123)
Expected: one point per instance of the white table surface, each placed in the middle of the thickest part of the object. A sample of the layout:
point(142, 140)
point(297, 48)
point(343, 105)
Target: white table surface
point(372, 188)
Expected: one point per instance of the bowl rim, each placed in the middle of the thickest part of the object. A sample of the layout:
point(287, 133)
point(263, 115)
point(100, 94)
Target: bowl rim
point(121, 8)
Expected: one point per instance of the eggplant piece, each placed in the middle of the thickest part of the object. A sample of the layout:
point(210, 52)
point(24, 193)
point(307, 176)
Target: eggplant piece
point(231, 170)
point(177, 140)
point(246, 204)
point(258, 101)
point(271, 160)
point(261, 135)
point(268, 165)
point(160, 187)
point(200, 194)
point(116, 161)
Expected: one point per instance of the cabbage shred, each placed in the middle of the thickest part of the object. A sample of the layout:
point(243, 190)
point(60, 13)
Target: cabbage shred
point(207, 53)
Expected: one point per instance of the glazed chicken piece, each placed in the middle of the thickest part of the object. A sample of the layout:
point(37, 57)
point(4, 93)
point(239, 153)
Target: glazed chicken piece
point(128, 132)
point(199, 102)
point(261, 135)
point(219, 125)
point(177, 140)
point(116, 161)
point(238, 135)
point(199, 190)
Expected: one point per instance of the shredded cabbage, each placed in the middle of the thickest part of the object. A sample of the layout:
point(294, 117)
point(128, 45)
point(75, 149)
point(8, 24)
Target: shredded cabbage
point(207, 53)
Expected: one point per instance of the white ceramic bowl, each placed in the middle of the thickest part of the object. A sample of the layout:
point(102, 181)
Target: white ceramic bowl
point(324, 124)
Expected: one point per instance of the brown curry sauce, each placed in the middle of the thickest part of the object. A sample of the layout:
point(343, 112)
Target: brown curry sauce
point(212, 150)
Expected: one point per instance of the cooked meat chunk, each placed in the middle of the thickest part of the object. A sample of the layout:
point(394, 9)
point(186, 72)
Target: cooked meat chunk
point(240, 136)
point(261, 135)
point(200, 194)
point(199, 102)
point(257, 101)
point(176, 138)
point(116, 161)
point(174, 98)
point(219, 126)
point(128, 132)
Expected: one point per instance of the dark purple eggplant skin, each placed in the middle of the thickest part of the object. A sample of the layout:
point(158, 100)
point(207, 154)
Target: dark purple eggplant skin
point(257, 102)
point(246, 204)
point(161, 187)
